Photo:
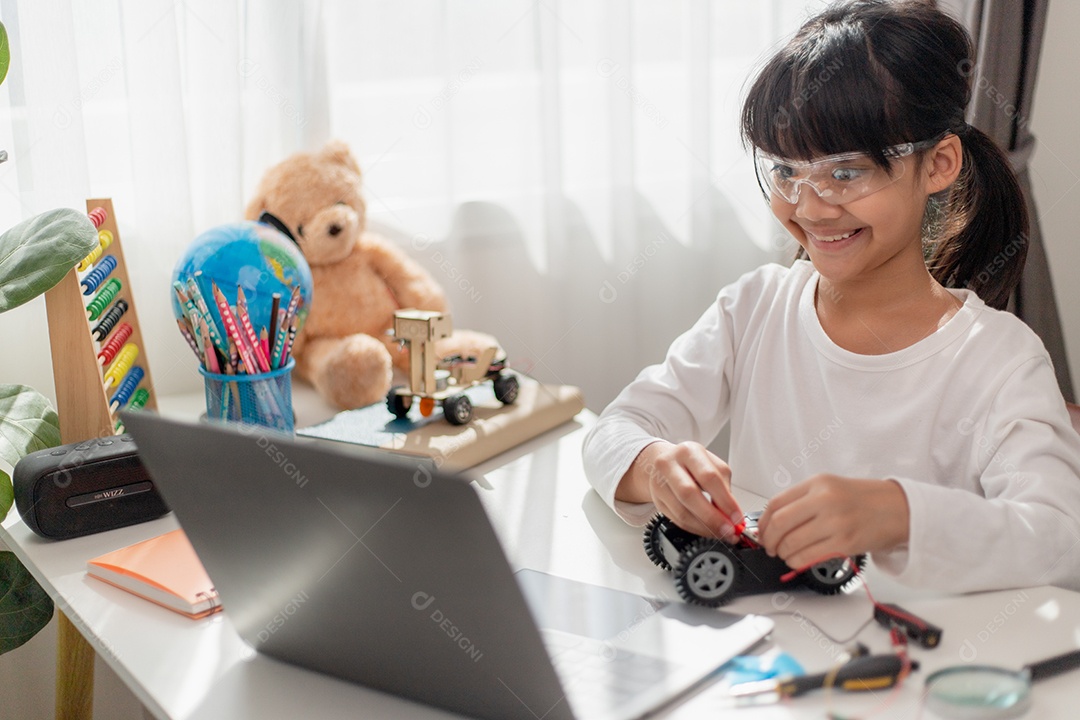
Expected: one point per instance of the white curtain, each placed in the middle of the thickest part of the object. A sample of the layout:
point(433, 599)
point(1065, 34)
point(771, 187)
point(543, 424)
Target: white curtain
point(571, 172)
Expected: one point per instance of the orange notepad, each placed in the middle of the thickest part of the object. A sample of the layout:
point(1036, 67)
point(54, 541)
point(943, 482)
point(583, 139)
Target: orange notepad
point(164, 570)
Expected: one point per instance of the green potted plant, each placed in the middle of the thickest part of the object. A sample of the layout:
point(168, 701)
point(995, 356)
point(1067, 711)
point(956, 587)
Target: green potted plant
point(34, 256)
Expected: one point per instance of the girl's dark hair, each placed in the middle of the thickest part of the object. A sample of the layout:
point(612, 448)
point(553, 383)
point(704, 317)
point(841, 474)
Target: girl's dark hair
point(864, 75)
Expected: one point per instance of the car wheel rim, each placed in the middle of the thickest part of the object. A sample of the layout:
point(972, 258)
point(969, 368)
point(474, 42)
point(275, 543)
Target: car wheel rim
point(461, 411)
point(710, 574)
point(832, 572)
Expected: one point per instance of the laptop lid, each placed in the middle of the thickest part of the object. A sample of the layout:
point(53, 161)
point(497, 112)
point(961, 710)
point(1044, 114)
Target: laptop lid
point(342, 564)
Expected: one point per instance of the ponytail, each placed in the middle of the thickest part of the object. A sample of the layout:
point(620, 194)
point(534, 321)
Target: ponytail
point(984, 238)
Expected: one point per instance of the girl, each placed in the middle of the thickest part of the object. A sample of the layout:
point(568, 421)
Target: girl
point(876, 392)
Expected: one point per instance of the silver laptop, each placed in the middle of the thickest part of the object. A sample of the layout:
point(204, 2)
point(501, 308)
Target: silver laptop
point(353, 564)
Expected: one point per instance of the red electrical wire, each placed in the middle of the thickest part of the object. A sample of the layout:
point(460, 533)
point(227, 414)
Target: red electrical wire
point(897, 638)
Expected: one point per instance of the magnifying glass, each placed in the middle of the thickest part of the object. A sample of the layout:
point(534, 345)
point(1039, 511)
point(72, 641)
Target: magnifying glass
point(985, 691)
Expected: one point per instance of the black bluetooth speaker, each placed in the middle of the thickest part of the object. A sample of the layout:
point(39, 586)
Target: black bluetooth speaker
point(85, 488)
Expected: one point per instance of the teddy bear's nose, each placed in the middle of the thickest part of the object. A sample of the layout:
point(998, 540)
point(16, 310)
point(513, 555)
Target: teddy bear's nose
point(335, 229)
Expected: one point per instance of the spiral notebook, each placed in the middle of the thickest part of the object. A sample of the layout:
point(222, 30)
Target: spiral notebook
point(164, 570)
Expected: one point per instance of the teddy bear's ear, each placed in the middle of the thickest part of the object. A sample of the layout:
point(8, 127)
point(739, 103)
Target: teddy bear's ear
point(336, 151)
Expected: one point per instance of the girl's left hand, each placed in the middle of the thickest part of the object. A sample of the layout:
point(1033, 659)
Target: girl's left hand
point(828, 515)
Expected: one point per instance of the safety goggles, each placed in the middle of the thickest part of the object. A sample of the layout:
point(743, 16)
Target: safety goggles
point(836, 179)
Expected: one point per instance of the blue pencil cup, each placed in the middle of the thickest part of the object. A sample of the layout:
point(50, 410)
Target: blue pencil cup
point(264, 399)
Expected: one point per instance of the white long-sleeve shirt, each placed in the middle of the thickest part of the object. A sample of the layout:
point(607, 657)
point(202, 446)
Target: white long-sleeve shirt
point(969, 421)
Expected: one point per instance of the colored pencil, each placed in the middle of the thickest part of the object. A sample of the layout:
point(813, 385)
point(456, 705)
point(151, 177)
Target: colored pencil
point(275, 305)
point(288, 343)
point(208, 349)
point(187, 305)
point(234, 357)
point(186, 332)
point(200, 303)
point(294, 301)
point(233, 331)
point(249, 331)
point(279, 341)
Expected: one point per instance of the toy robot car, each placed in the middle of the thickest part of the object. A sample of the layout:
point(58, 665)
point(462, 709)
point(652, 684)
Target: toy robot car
point(710, 572)
point(440, 381)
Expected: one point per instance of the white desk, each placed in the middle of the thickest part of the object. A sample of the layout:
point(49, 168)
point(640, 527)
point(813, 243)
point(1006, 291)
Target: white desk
point(548, 519)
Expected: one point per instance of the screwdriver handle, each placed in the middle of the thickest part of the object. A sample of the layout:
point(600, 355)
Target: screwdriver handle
point(869, 672)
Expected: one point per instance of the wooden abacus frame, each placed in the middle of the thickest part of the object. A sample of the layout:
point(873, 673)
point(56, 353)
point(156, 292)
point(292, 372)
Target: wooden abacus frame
point(83, 408)
point(81, 399)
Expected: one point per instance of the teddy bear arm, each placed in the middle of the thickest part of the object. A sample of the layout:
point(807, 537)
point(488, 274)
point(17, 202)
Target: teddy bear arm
point(351, 371)
point(411, 285)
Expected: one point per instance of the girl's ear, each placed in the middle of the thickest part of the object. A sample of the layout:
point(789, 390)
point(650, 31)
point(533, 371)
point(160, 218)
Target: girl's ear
point(943, 163)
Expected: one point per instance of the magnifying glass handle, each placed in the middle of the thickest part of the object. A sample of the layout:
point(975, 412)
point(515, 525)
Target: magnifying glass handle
point(1054, 666)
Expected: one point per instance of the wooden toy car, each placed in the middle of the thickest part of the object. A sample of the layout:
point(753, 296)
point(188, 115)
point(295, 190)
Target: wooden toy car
point(710, 572)
point(441, 381)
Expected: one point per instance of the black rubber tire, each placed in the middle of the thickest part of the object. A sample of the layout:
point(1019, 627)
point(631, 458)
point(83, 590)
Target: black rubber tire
point(457, 409)
point(706, 573)
point(398, 404)
point(506, 388)
point(832, 576)
point(652, 543)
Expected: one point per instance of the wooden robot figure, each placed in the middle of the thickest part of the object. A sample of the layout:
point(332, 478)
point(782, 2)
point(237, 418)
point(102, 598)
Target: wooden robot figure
point(441, 381)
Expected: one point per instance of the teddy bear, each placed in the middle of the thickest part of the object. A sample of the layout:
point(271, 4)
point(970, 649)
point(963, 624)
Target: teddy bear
point(360, 279)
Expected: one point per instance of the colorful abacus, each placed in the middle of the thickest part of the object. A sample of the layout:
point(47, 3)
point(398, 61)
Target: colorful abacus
point(98, 274)
point(103, 328)
point(108, 350)
point(97, 362)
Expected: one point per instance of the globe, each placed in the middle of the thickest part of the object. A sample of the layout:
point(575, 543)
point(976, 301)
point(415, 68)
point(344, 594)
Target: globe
point(249, 255)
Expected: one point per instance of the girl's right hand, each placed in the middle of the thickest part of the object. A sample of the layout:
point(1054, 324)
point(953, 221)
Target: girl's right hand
point(688, 484)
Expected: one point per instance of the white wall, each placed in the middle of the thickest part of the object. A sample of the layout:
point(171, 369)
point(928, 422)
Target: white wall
point(1055, 168)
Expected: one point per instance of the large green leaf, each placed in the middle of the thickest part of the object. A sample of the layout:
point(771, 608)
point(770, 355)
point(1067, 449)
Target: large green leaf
point(7, 494)
point(27, 424)
point(38, 252)
point(25, 607)
point(5, 53)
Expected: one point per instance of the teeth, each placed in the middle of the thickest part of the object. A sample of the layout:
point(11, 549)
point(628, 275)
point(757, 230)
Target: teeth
point(834, 238)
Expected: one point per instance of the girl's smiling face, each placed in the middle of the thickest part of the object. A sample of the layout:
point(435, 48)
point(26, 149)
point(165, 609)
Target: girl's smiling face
point(849, 241)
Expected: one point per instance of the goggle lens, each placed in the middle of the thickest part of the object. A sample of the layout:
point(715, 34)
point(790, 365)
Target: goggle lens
point(836, 179)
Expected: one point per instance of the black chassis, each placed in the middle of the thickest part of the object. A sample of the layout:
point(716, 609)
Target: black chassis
point(710, 572)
